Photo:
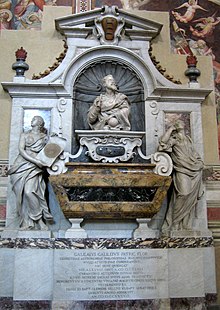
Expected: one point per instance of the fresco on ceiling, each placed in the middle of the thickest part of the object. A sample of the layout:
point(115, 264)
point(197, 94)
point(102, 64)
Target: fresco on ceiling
point(194, 24)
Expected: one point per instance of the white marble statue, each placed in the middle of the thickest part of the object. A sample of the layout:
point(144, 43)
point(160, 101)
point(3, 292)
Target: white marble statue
point(187, 178)
point(110, 111)
point(27, 180)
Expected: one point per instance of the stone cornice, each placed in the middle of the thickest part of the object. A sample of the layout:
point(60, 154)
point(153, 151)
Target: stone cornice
point(180, 93)
point(32, 89)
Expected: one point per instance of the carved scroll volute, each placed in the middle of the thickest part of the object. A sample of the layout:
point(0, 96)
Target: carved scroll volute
point(109, 25)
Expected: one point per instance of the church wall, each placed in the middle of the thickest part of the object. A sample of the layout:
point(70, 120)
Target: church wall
point(42, 47)
point(45, 45)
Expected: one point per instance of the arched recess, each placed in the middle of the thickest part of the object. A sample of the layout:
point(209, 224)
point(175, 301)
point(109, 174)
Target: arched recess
point(82, 78)
point(88, 86)
point(122, 55)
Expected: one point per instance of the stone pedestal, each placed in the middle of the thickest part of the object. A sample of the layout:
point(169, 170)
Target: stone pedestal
point(75, 231)
point(143, 230)
point(66, 271)
point(7, 233)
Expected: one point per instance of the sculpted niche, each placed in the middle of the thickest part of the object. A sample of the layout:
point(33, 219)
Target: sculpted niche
point(108, 95)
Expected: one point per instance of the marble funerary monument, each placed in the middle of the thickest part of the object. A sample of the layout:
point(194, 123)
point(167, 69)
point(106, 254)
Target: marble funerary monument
point(106, 199)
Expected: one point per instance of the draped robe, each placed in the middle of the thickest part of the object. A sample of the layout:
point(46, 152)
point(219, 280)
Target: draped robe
point(103, 109)
point(187, 180)
point(28, 183)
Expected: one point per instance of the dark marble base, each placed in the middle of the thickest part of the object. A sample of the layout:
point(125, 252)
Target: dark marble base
point(104, 243)
point(10, 304)
point(206, 303)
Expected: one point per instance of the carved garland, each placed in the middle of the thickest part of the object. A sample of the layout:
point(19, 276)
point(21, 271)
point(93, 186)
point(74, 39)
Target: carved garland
point(59, 59)
point(161, 69)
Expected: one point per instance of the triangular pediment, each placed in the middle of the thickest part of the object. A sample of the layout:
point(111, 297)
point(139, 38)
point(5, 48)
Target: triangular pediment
point(95, 21)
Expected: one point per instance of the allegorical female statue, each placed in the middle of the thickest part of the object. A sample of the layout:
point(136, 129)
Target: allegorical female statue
point(110, 111)
point(27, 178)
point(187, 178)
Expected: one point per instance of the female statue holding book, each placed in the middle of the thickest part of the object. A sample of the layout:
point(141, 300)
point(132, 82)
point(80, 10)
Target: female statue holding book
point(27, 178)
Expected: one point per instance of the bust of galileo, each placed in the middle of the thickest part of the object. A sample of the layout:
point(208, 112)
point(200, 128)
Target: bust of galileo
point(111, 110)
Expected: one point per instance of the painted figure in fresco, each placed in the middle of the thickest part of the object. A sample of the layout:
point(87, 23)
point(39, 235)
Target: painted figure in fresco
point(5, 4)
point(181, 46)
point(200, 47)
point(216, 67)
point(133, 4)
point(27, 178)
point(110, 111)
point(192, 6)
point(5, 18)
point(206, 27)
point(34, 20)
point(215, 1)
point(180, 43)
point(5, 14)
point(23, 9)
point(187, 177)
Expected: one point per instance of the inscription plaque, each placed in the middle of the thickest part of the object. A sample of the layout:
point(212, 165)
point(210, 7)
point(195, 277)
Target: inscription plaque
point(110, 274)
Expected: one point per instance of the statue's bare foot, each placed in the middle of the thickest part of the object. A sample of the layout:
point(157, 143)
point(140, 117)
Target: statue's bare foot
point(187, 227)
point(175, 227)
point(26, 227)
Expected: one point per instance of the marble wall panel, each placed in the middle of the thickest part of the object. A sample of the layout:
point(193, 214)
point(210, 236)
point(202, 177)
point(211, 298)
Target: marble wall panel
point(6, 272)
point(110, 274)
point(185, 273)
point(209, 270)
point(10, 304)
point(33, 272)
point(74, 269)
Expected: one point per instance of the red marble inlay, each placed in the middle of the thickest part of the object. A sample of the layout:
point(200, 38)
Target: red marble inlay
point(214, 214)
point(2, 212)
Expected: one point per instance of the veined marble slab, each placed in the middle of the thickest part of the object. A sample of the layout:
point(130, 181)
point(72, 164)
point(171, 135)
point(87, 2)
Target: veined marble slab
point(186, 277)
point(110, 274)
point(6, 274)
point(37, 269)
point(33, 272)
